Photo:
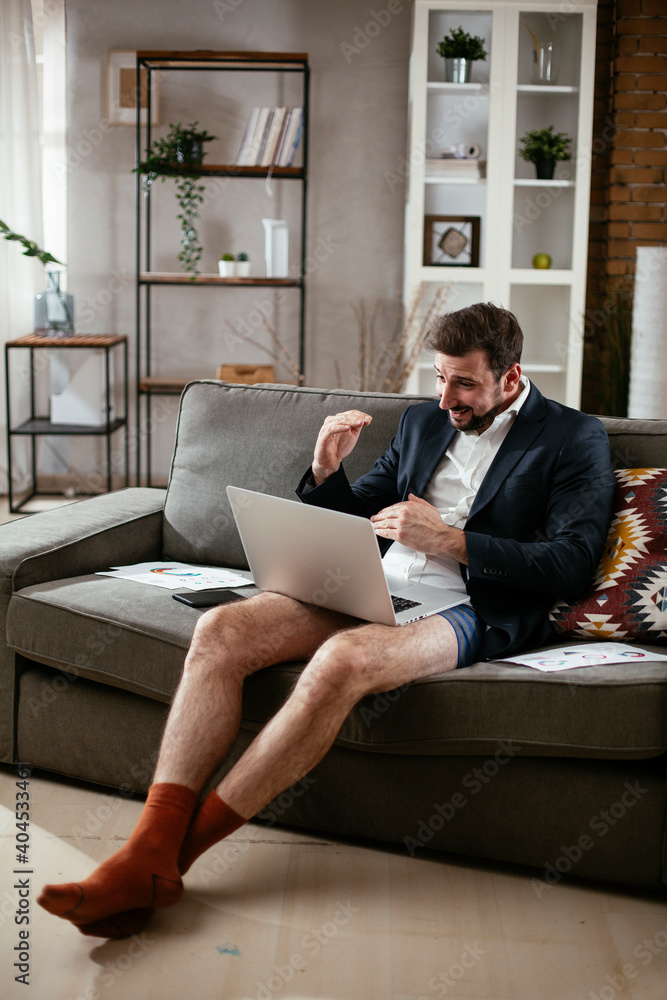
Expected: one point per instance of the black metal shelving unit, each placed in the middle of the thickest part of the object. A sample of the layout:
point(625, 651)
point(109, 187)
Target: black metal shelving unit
point(41, 426)
point(149, 62)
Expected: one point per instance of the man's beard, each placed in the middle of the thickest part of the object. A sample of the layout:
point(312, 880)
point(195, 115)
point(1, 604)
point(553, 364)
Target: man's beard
point(479, 421)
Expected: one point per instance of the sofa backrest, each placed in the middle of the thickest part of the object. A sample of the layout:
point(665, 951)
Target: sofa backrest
point(261, 438)
point(638, 443)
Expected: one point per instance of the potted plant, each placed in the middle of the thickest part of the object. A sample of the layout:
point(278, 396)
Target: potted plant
point(242, 265)
point(180, 153)
point(459, 50)
point(226, 265)
point(545, 148)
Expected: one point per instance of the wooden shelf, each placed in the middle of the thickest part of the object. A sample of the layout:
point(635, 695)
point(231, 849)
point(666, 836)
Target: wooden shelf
point(67, 340)
point(231, 170)
point(179, 278)
point(206, 58)
point(158, 385)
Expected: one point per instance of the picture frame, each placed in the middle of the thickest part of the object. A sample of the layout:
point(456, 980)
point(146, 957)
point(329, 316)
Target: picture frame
point(121, 91)
point(451, 240)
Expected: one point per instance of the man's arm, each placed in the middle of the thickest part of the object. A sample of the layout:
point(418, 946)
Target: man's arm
point(513, 545)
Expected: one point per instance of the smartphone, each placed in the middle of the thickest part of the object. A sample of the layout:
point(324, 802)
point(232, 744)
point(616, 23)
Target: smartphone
point(207, 598)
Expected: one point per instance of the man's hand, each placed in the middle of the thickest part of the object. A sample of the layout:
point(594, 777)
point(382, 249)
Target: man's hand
point(338, 436)
point(417, 524)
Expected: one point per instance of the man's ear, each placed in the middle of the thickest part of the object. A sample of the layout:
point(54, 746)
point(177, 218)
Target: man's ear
point(511, 377)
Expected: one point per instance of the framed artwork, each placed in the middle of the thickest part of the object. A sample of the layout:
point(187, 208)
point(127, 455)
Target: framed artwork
point(451, 241)
point(121, 93)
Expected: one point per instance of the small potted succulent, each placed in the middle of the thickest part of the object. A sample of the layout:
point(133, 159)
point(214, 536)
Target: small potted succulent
point(460, 50)
point(242, 265)
point(227, 265)
point(545, 148)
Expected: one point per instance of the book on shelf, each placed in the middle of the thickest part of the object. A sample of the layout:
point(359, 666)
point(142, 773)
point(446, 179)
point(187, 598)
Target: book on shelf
point(254, 137)
point(274, 132)
point(244, 148)
point(292, 138)
point(445, 167)
point(271, 137)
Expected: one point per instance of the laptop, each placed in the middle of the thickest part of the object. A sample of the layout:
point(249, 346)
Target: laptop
point(329, 559)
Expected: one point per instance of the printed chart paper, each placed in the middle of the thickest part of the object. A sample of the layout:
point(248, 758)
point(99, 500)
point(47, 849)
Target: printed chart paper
point(177, 575)
point(587, 654)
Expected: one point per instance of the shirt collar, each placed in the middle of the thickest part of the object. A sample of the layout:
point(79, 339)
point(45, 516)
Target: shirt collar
point(520, 399)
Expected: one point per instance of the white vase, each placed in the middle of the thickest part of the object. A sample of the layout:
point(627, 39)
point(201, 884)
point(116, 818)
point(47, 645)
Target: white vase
point(227, 268)
point(276, 247)
point(242, 268)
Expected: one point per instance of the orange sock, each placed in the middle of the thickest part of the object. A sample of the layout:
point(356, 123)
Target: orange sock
point(213, 821)
point(142, 874)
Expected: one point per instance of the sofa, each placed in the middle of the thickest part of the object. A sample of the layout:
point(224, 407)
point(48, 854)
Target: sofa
point(563, 772)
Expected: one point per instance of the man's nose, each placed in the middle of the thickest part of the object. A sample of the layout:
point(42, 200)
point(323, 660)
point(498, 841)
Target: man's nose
point(446, 399)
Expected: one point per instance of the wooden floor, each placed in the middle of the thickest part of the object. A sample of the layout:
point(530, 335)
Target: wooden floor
point(272, 914)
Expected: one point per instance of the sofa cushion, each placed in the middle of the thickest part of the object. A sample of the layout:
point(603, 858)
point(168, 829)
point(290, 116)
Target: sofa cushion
point(219, 442)
point(118, 632)
point(628, 597)
point(132, 636)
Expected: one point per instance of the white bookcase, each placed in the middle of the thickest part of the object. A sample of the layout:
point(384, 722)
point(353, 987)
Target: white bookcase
point(519, 216)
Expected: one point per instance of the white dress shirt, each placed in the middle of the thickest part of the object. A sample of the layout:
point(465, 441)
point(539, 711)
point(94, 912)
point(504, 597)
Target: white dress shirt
point(452, 490)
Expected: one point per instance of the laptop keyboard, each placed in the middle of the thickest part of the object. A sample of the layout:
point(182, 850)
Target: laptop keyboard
point(403, 604)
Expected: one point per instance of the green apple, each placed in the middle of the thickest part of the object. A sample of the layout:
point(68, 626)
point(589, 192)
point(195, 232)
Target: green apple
point(541, 260)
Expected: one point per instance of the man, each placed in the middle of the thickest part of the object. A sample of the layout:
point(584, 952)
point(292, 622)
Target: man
point(493, 490)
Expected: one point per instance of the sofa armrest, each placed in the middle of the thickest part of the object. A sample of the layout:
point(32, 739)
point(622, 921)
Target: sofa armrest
point(114, 529)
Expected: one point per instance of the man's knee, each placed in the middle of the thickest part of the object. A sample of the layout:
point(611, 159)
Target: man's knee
point(342, 667)
point(222, 628)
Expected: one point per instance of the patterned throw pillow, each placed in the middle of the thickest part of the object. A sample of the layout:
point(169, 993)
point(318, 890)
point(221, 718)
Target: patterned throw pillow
point(628, 597)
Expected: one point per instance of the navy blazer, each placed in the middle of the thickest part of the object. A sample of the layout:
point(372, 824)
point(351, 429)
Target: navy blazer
point(537, 526)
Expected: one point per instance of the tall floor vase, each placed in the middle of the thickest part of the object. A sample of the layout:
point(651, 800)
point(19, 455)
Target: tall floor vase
point(648, 356)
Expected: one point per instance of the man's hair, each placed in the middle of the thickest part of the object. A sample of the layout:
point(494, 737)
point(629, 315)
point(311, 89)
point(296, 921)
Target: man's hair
point(482, 327)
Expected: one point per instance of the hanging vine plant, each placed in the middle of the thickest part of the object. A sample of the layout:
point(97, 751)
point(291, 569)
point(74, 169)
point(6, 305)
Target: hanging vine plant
point(179, 154)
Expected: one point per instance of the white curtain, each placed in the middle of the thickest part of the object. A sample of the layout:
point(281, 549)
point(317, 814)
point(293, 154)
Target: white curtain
point(20, 193)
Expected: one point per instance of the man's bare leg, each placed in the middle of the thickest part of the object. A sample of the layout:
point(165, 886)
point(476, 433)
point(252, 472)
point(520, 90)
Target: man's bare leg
point(347, 666)
point(229, 643)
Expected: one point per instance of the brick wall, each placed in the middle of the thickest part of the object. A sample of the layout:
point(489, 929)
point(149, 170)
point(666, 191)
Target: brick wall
point(629, 168)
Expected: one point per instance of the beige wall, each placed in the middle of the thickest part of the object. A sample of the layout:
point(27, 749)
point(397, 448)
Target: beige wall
point(359, 71)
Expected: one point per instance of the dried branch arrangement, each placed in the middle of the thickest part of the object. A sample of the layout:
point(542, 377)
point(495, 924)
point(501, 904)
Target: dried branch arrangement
point(278, 353)
point(389, 371)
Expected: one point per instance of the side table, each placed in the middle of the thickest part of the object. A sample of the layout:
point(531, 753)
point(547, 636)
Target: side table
point(40, 426)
